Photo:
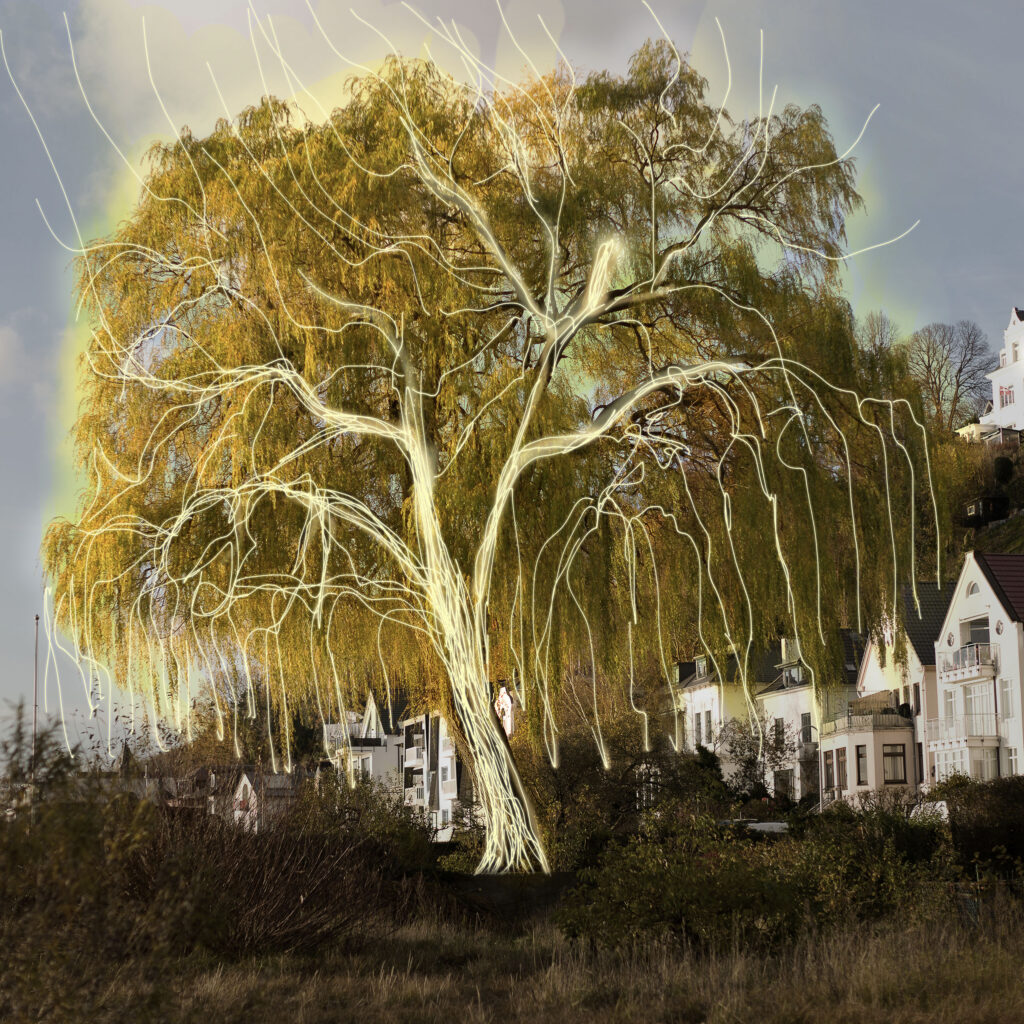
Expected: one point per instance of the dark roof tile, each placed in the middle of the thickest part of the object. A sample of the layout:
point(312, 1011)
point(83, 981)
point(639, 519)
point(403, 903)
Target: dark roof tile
point(1005, 573)
point(923, 630)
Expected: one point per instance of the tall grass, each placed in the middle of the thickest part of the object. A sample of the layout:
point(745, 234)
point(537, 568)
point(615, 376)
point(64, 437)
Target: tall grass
point(934, 972)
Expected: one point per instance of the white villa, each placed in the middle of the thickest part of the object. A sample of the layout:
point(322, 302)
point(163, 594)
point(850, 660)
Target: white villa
point(1007, 412)
point(706, 703)
point(362, 747)
point(880, 740)
point(974, 726)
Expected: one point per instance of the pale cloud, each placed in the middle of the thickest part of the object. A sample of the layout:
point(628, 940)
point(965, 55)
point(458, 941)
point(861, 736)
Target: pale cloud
point(321, 48)
point(11, 354)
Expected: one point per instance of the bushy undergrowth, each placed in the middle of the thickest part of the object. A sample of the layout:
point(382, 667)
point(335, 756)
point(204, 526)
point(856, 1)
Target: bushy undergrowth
point(103, 893)
point(986, 820)
point(686, 877)
point(90, 873)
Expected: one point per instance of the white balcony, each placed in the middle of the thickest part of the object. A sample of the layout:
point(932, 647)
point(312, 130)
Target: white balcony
point(413, 795)
point(449, 788)
point(963, 727)
point(974, 661)
point(870, 722)
point(447, 747)
point(413, 755)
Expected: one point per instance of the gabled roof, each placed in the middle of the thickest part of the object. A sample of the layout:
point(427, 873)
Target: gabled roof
point(1005, 574)
point(1019, 313)
point(923, 630)
point(760, 666)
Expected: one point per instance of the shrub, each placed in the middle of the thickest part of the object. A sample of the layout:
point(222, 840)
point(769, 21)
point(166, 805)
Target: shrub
point(986, 819)
point(689, 879)
point(88, 871)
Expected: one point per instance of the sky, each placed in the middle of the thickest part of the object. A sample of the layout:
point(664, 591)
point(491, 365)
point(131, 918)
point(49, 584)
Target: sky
point(943, 151)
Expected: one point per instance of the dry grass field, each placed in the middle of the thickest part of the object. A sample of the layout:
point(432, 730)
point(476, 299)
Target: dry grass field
point(953, 973)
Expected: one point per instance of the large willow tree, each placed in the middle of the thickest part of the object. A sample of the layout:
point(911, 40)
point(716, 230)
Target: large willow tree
point(542, 382)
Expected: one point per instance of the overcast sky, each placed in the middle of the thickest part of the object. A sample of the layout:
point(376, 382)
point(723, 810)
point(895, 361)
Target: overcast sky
point(945, 149)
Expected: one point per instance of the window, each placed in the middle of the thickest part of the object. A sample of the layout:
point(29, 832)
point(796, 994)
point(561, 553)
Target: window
point(985, 764)
point(894, 763)
point(707, 726)
point(948, 705)
point(830, 772)
point(978, 706)
point(805, 727)
point(841, 768)
point(862, 764)
point(1005, 397)
point(444, 816)
point(1011, 760)
point(975, 631)
point(444, 773)
point(920, 762)
point(972, 589)
point(917, 698)
point(1007, 705)
point(696, 729)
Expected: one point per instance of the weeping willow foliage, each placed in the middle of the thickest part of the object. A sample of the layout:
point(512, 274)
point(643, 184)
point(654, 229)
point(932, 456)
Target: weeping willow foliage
point(550, 383)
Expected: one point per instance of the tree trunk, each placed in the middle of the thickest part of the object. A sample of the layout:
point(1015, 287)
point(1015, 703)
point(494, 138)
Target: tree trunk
point(458, 634)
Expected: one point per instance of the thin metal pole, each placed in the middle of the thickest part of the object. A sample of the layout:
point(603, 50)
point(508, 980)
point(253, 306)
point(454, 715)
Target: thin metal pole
point(35, 701)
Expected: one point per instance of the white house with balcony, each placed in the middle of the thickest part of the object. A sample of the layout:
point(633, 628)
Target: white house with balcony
point(880, 742)
point(1007, 378)
point(433, 777)
point(975, 725)
point(362, 747)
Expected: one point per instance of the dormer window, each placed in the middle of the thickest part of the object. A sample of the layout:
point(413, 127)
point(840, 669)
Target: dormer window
point(702, 667)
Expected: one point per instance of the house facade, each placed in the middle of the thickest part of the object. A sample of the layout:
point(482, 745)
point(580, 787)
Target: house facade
point(1007, 412)
point(433, 777)
point(795, 709)
point(260, 798)
point(363, 748)
point(707, 703)
point(975, 726)
point(880, 740)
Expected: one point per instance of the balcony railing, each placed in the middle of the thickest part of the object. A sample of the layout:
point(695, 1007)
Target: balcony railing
point(413, 794)
point(971, 660)
point(963, 727)
point(449, 788)
point(874, 720)
point(413, 755)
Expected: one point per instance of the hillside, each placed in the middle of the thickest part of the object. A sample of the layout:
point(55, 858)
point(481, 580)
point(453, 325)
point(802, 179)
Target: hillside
point(1006, 536)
